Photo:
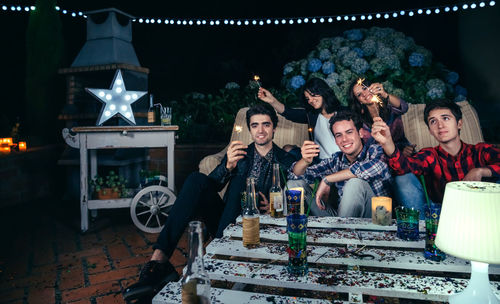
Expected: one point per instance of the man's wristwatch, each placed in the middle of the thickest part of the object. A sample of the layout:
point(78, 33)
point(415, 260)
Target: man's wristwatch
point(327, 182)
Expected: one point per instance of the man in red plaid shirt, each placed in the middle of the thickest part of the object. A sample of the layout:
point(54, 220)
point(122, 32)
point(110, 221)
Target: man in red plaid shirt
point(452, 160)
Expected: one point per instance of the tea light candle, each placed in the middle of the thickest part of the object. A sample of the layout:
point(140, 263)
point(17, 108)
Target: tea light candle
point(381, 210)
point(7, 141)
point(22, 146)
point(4, 149)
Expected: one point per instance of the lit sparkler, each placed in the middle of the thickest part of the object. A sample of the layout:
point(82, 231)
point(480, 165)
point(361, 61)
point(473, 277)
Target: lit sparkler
point(311, 134)
point(238, 129)
point(256, 78)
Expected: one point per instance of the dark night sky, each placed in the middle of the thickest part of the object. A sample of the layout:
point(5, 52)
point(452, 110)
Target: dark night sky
point(183, 59)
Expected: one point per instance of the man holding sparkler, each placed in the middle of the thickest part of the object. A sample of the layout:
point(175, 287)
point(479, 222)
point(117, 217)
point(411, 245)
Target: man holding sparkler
point(451, 160)
point(358, 171)
point(199, 197)
point(321, 104)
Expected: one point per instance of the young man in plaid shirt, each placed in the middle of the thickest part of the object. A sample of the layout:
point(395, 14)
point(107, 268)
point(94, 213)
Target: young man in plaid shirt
point(451, 160)
point(359, 172)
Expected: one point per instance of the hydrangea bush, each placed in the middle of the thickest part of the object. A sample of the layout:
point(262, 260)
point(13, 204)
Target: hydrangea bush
point(379, 54)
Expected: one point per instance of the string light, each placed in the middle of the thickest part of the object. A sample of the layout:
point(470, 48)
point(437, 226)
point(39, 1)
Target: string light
point(470, 5)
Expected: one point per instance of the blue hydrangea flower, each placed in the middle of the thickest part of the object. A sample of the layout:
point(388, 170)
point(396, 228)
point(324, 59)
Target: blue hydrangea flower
point(345, 76)
point(392, 62)
point(328, 67)
point(369, 46)
point(354, 35)
point(349, 58)
point(297, 82)
point(287, 69)
point(232, 86)
point(359, 52)
point(324, 54)
point(452, 78)
point(341, 52)
point(383, 51)
point(416, 59)
point(337, 43)
point(332, 79)
point(360, 66)
point(436, 83)
point(459, 90)
point(377, 66)
point(435, 93)
point(314, 65)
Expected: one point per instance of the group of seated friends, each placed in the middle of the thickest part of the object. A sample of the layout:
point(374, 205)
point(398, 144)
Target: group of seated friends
point(361, 151)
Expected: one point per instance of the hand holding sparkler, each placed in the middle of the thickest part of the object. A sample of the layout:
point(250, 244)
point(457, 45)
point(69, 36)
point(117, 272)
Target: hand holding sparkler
point(376, 89)
point(235, 152)
point(309, 151)
point(268, 97)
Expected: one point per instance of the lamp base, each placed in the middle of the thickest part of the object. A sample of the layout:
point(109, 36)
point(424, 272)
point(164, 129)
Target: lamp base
point(478, 290)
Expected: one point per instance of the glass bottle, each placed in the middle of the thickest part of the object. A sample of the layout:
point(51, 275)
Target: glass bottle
point(250, 214)
point(276, 194)
point(195, 281)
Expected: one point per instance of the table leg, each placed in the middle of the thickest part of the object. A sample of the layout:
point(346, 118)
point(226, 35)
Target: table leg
point(170, 162)
point(83, 184)
point(93, 173)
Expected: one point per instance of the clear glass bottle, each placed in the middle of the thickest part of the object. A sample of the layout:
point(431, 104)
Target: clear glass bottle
point(250, 214)
point(276, 194)
point(195, 281)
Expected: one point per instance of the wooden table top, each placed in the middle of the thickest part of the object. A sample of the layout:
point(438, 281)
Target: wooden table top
point(398, 268)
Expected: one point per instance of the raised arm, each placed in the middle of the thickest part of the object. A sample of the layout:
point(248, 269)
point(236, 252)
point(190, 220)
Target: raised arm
point(267, 97)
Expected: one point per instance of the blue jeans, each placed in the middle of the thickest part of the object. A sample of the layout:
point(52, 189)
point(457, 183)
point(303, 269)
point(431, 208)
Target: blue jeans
point(409, 192)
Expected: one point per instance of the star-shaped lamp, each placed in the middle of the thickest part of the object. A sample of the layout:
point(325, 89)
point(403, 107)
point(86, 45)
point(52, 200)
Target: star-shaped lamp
point(117, 100)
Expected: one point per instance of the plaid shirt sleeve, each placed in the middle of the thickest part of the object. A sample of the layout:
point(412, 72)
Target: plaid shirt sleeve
point(489, 157)
point(418, 164)
point(325, 167)
point(373, 166)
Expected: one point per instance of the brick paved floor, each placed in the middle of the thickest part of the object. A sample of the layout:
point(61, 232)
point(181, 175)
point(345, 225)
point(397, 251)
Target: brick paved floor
point(45, 259)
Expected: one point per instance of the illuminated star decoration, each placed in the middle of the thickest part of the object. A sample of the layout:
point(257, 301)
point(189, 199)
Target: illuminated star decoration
point(117, 100)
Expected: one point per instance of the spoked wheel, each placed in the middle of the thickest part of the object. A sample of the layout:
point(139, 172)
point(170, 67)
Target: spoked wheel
point(150, 208)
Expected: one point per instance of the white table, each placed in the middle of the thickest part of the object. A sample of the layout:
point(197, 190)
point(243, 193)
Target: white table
point(398, 269)
point(114, 137)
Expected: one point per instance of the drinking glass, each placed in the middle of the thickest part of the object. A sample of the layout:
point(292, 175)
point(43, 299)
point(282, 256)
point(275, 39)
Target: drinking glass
point(297, 244)
point(407, 222)
point(431, 251)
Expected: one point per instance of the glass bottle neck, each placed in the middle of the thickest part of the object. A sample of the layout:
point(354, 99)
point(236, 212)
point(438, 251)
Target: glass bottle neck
point(251, 199)
point(195, 258)
point(276, 177)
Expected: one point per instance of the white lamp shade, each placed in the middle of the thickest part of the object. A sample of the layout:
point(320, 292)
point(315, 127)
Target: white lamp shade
point(469, 224)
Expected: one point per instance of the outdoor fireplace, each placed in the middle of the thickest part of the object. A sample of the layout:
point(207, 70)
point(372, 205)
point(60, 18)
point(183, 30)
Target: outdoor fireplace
point(107, 49)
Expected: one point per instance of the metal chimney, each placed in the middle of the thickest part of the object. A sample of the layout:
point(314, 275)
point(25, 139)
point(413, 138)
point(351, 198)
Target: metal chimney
point(107, 42)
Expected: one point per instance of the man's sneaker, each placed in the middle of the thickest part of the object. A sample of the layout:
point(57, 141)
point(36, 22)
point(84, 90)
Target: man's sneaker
point(152, 278)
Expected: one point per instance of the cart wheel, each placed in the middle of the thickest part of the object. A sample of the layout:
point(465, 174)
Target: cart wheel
point(150, 208)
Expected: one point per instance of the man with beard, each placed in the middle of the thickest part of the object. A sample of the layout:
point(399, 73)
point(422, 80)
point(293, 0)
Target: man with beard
point(199, 197)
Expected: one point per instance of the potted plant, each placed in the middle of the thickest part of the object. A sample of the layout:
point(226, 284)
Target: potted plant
point(111, 186)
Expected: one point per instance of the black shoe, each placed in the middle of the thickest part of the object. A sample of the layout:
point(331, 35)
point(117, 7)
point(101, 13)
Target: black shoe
point(153, 277)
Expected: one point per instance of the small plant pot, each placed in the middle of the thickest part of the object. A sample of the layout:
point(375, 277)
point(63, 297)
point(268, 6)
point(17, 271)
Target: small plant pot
point(107, 193)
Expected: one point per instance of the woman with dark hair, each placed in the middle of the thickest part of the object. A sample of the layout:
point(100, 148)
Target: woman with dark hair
point(320, 105)
point(370, 100)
